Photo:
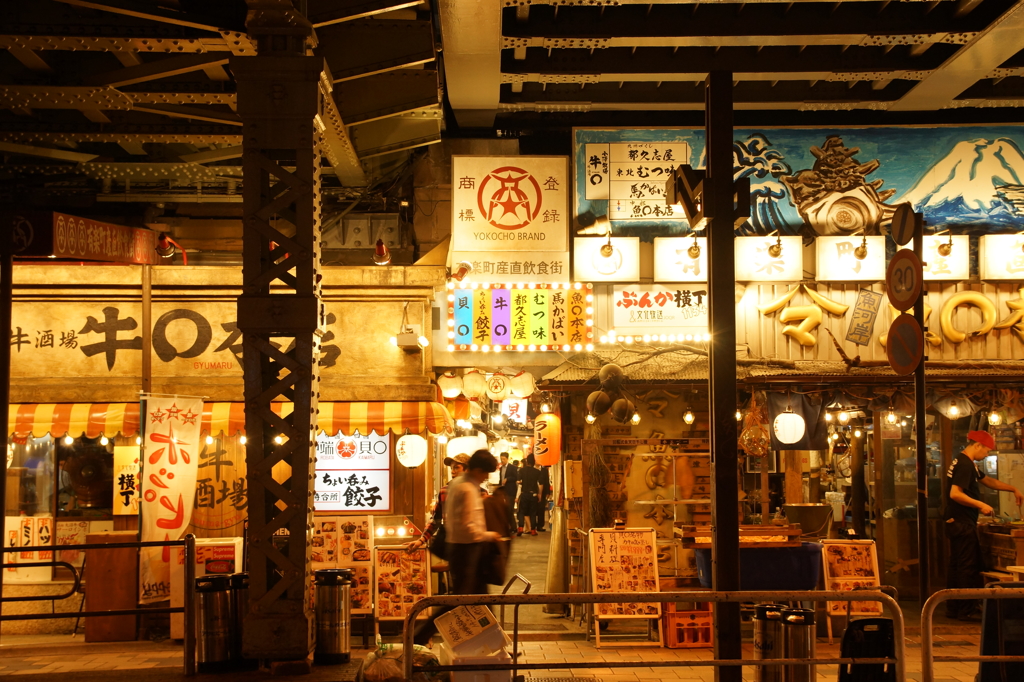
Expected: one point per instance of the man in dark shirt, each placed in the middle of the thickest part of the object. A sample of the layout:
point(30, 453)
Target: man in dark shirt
point(962, 506)
point(508, 480)
point(529, 494)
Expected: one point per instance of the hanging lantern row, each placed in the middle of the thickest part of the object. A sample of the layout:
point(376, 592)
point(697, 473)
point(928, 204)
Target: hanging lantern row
point(475, 385)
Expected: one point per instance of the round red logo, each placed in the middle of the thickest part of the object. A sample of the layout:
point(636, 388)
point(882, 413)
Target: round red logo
point(509, 198)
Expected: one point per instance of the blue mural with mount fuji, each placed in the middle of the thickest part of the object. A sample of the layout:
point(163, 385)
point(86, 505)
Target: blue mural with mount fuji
point(808, 181)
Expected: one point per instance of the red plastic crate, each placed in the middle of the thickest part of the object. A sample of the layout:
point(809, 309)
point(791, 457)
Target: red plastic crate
point(688, 629)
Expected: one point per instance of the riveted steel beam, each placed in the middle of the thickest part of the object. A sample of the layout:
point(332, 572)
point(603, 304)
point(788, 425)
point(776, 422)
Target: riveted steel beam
point(38, 132)
point(159, 68)
point(361, 48)
point(45, 152)
point(236, 43)
point(398, 133)
point(386, 94)
point(148, 11)
point(191, 113)
point(328, 12)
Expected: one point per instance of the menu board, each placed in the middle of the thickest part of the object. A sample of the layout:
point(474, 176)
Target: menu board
point(403, 578)
point(346, 542)
point(624, 561)
point(850, 565)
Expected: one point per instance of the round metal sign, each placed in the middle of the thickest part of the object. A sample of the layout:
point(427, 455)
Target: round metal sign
point(904, 346)
point(904, 279)
point(903, 223)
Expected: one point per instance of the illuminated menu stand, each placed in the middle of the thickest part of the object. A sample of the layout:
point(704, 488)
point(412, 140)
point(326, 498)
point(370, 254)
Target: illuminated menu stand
point(625, 560)
point(400, 579)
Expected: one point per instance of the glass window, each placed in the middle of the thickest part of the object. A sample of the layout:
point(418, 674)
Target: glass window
point(30, 477)
point(85, 483)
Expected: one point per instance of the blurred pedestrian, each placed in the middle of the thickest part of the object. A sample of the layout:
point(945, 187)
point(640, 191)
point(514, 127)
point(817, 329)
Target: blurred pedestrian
point(529, 495)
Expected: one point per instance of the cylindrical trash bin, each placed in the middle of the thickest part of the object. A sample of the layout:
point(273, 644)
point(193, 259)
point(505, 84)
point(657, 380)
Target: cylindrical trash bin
point(239, 607)
point(213, 622)
point(768, 641)
point(333, 615)
point(798, 633)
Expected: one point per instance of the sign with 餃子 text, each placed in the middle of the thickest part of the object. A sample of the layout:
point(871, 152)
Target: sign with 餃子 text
point(353, 473)
point(515, 205)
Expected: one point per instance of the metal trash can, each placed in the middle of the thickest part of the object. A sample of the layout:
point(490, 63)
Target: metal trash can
point(214, 622)
point(798, 634)
point(239, 607)
point(768, 641)
point(333, 615)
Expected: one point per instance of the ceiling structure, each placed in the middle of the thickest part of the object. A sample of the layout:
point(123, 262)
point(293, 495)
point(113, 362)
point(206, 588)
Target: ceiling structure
point(128, 106)
point(523, 63)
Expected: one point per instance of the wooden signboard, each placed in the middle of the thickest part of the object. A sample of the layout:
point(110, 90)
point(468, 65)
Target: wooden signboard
point(850, 565)
point(402, 579)
point(624, 561)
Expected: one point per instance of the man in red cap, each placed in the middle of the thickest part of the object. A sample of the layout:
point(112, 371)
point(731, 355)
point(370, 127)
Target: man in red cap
point(962, 506)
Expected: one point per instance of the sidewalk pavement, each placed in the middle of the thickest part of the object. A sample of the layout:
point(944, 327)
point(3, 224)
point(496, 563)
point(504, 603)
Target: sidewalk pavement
point(58, 657)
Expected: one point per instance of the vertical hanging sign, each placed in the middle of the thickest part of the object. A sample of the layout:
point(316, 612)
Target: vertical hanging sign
point(126, 480)
point(169, 471)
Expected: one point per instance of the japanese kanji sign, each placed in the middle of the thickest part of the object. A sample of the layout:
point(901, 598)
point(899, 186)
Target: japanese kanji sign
point(756, 262)
point(353, 473)
point(632, 175)
point(678, 309)
point(954, 266)
point(597, 260)
point(170, 464)
point(624, 561)
point(66, 236)
point(547, 439)
point(1001, 256)
point(126, 480)
point(838, 259)
point(674, 261)
point(510, 207)
point(862, 321)
point(509, 316)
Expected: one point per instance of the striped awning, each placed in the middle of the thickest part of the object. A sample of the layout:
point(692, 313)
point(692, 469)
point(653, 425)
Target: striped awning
point(109, 419)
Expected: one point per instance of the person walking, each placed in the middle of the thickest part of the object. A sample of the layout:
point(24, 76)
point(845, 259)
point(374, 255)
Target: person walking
point(961, 509)
point(458, 466)
point(467, 535)
point(508, 480)
point(542, 499)
point(529, 495)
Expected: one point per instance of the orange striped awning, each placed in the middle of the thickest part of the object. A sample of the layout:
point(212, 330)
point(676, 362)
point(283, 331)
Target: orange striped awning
point(110, 419)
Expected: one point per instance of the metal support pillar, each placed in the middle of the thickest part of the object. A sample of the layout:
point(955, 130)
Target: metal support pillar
point(6, 302)
point(281, 94)
point(922, 438)
point(719, 207)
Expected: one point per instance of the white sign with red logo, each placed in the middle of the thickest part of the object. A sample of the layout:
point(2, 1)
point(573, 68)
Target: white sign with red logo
point(170, 462)
point(515, 410)
point(353, 473)
point(512, 204)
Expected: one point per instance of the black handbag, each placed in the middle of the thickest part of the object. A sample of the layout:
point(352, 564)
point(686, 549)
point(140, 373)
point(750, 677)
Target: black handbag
point(438, 545)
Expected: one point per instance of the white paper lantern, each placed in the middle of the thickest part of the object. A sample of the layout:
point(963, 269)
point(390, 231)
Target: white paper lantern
point(789, 427)
point(523, 385)
point(450, 385)
point(466, 445)
point(474, 384)
point(498, 386)
point(411, 450)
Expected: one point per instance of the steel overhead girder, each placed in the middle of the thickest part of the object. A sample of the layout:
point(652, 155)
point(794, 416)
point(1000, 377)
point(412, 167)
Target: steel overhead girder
point(386, 94)
point(397, 133)
point(361, 48)
point(146, 10)
point(993, 46)
point(159, 68)
point(327, 12)
point(471, 32)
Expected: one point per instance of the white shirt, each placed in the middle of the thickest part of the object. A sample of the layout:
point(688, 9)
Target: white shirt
point(464, 519)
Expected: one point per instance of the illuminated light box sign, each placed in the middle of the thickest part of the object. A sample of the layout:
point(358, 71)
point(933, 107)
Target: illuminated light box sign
point(631, 177)
point(755, 261)
point(837, 259)
point(952, 267)
point(353, 473)
point(497, 317)
point(522, 266)
point(1001, 256)
point(674, 261)
point(659, 312)
point(596, 259)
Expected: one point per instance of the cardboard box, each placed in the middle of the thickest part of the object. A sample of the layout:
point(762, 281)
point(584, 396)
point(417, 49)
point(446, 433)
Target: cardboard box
point(471, 631)
point(447, 657)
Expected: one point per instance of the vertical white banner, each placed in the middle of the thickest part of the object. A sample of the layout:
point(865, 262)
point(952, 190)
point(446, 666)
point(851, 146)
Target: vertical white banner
point(170, 461)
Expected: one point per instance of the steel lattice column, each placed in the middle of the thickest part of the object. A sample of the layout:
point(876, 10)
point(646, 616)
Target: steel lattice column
point(281, 100)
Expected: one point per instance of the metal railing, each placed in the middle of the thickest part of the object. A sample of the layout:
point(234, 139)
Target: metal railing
point(644, 597)
point(508, 586)
point(189, 543)
point(928, 657)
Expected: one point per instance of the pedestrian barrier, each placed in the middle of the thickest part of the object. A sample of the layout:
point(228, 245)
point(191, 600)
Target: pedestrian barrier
point(618, 597)
point(189, 543)
point(928, 657)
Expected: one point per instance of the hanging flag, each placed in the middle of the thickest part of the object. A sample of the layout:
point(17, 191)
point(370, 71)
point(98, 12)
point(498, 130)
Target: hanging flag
point(170, 461)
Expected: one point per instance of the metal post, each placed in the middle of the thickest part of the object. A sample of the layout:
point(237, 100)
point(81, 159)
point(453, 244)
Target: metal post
point(190, 605)
point(922, 443)
point(147, 328)
point(282, 99)
point(718, 199)
point(6, 301)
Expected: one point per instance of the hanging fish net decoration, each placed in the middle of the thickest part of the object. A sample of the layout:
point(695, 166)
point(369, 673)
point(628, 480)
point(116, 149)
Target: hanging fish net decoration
point(755, 440)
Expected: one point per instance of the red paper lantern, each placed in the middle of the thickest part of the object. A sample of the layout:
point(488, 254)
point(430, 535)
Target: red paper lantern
point(547, 439)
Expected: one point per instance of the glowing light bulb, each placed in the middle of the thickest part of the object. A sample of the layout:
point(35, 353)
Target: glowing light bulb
point(844, 417)
point(380, 532)
point(636, 418)
point(954, 411)
point(591, 419)
point(278, 439)
point(401, 532)
point(891, 417)
point(739, 416)
point(68, 440)
point(104, 440)
point(243, 440)
point(209, 440)
point(545, 408)
point(138, 440)
point(857, 433)
point(828, 416)
point(994, 419)
point(688, 416)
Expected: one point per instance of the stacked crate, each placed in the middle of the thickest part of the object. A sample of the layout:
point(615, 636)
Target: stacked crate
point(688, 629)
